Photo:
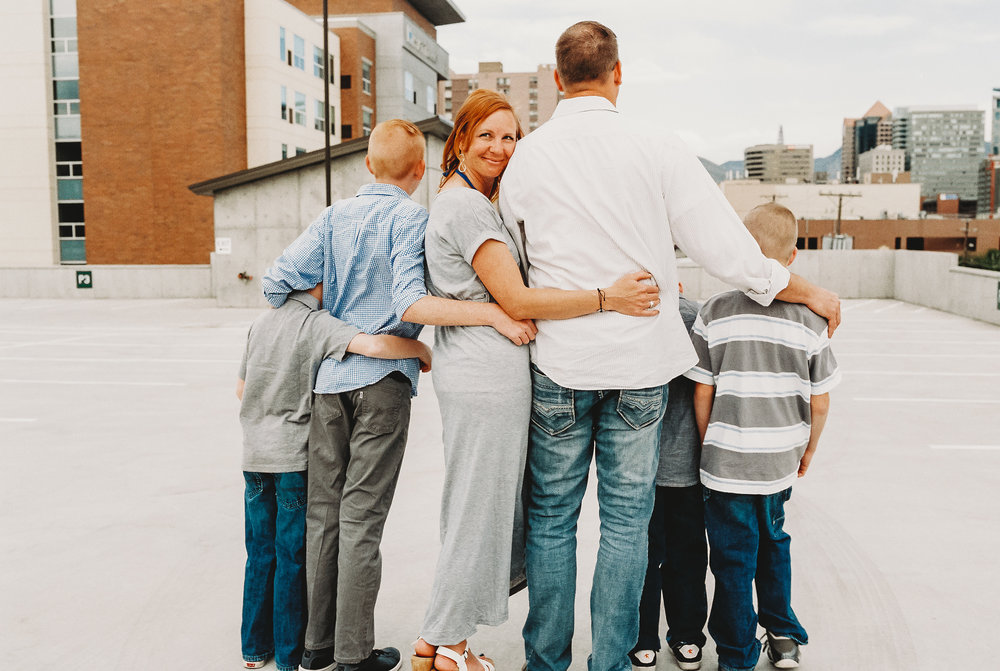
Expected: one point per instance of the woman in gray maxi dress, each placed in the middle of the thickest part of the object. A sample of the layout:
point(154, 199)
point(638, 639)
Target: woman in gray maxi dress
point(483, 383)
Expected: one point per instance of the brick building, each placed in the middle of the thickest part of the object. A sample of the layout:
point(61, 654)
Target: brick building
point(109, 133)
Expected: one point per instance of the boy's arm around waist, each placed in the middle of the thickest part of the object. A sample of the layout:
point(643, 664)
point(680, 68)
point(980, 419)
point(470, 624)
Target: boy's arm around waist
point(819, 408)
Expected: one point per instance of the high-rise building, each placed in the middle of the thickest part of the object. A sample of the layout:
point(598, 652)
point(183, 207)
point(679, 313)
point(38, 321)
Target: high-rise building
point(988, 200)
point(533, 95)
point(779, 163)
point(151, 97)
point(995, 116)
point(863, 134)
point(944, 148)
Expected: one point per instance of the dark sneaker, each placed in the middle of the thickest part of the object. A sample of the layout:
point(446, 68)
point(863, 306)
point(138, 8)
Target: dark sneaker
point(687, 655)
point(643, 659)
point(379, 660)
point(782, 651)
point(318, 660)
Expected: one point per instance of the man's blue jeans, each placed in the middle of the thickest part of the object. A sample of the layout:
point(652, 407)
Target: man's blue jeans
point(677, 563)
point(274, 585)
point(620, 430)
point(749, 545)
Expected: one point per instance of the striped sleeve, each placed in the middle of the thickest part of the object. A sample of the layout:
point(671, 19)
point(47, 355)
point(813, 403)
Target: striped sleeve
point(824, 373)
point(702, 371)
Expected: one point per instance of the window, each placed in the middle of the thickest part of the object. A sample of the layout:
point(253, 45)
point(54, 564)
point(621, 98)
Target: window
point(345, 81)
point(300, 108)
point(366, 76)
point(284, 150)
point(473, 84)
point(431, 100)
point(281, 43)
point(299, 151)
point(345, 131)
point(409, 92)
point(284, 103)
point(319, 123)
point(332, 71)
point(318, 62)
point(299, 55)
point(366, 121)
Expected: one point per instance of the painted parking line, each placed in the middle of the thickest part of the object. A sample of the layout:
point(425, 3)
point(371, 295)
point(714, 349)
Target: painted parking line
point(94, 382)
point(986, 448)
point(921, 399)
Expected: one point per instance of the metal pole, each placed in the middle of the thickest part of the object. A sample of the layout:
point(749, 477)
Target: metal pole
point(326, 98)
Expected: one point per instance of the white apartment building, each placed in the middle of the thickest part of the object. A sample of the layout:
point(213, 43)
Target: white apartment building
point(808, 201)
point(285, 82)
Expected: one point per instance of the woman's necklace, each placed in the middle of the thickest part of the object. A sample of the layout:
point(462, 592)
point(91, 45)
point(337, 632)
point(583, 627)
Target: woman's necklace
point(467, 180)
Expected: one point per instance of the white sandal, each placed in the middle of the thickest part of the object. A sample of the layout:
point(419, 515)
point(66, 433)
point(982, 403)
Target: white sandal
point(460, 659)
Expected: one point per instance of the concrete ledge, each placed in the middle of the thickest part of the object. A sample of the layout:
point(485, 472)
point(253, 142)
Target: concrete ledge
point(179, 281)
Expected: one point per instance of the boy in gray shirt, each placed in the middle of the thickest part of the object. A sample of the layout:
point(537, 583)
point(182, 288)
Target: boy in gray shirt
point(284, 348)
point(761, 400)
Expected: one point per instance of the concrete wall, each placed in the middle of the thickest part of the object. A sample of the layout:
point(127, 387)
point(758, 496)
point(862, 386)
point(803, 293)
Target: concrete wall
point(187, 281)
point(261, 218)
point(932, 279)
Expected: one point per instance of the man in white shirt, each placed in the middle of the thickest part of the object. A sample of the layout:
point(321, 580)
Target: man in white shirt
point(587, 197)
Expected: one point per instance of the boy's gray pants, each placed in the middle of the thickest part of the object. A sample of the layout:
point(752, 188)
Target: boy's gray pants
point(356, 443)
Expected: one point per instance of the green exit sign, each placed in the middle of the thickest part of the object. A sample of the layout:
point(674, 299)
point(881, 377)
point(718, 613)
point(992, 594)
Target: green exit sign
point(84, 280)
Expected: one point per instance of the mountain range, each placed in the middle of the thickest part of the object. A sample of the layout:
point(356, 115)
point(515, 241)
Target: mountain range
point(828, 164)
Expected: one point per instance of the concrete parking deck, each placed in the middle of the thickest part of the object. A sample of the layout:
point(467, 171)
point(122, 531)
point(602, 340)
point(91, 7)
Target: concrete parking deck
point(121, 508)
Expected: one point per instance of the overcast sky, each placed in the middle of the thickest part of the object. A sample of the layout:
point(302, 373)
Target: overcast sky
point(725, 74)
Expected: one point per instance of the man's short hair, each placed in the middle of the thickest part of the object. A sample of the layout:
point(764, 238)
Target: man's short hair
point(394, 148)
point(775, 229)
point(586, 51)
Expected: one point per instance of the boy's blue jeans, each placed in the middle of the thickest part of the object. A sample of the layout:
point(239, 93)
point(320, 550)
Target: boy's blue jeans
point(274, 585)
point(619, 430)
point(677, 562)
point(749, 545)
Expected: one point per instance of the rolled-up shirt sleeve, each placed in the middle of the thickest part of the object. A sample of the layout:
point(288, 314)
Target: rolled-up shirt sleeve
point(299, 267)
point(707, 229)
point(407, 261)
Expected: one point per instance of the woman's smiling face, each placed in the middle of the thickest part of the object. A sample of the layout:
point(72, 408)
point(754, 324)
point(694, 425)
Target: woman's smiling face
point(491, 145)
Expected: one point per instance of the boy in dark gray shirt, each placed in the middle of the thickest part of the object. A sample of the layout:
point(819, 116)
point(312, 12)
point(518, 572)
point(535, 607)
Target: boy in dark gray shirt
point(761, 399)
point(284, 348)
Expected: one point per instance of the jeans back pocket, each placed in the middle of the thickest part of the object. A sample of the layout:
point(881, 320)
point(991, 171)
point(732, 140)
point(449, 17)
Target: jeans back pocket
point(552, 408)
point(640, 407)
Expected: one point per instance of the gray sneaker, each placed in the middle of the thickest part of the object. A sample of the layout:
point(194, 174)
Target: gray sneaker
point(782, 651)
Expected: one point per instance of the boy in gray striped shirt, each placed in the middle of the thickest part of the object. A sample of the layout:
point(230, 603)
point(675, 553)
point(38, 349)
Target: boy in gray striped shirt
point(761, 399)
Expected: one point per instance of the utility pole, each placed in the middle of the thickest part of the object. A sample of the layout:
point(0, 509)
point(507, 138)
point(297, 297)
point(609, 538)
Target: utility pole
point(327, 73)
point(840, 205)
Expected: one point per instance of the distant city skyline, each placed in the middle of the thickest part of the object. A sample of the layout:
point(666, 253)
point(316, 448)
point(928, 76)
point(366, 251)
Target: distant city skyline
point(726, 75)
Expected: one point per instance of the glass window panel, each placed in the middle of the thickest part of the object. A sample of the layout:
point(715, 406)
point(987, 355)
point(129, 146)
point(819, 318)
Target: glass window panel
point(318, 62)
point(68, 151)
point(62, 170)
point(281, 42)
point(71, 212)
point(66, 90)
point(74, 108)
point(70, 189)
point(72, 251)
point(64, 27)
point(299, 151)
point(71, 45)
point(62, 7)
point(65, 65)
point(300, 53)
point(65, 231)
point(79, 230)
point(284, 151)
point(78, 170)
point(300, 108)
point(58, 45)
point(67, 127)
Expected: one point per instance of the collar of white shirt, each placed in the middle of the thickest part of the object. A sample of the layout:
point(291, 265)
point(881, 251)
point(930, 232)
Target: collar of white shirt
point(583, 104)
